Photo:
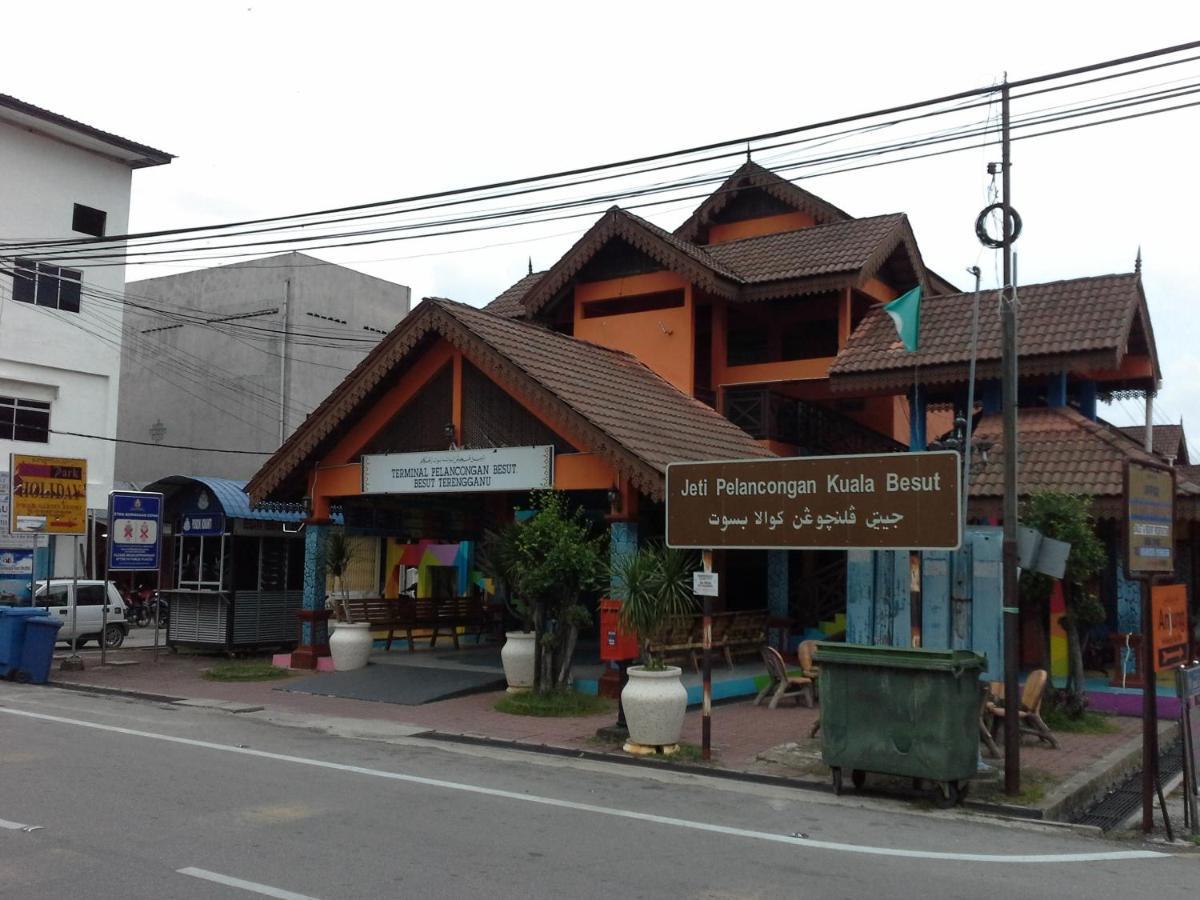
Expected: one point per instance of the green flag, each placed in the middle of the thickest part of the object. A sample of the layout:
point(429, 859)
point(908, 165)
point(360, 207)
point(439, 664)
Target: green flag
point(905, 311)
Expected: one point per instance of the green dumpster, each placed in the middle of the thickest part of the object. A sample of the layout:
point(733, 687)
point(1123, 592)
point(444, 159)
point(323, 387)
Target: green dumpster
point(899, 711)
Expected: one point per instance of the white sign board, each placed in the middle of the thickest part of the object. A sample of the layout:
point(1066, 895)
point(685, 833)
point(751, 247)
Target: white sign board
point(459, 471)
point(10, 541)
point(704, 584)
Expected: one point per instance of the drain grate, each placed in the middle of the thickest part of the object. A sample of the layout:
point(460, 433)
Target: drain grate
point(1120, 803)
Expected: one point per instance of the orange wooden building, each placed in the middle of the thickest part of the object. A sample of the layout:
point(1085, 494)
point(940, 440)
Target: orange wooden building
point(752, 329)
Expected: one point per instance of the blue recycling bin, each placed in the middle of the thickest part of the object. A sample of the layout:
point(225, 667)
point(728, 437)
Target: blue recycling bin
point(13, 620)
point(37, 653)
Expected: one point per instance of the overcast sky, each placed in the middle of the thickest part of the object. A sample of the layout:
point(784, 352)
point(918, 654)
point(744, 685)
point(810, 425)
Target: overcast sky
point(282, 107)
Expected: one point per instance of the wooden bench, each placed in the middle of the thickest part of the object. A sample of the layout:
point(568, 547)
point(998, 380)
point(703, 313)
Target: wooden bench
point(732, 632)
point(406, 614)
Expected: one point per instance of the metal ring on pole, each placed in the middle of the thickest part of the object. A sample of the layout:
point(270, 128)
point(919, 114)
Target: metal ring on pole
point(1012, 226)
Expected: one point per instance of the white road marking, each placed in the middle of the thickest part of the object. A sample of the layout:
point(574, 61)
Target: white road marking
point(12, 826)
point(253, 886)
point(607, 810)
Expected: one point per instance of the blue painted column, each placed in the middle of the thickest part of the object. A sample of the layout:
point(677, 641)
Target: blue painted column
point(916, 418)
point(777, 583)
point(315, 537)
point(990, 396)
point(778, 605)
point(1087, 399)
point(622, 542)
point(1056, 391)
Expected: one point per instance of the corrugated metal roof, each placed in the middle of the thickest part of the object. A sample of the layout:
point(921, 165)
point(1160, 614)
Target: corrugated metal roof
point(235, 502)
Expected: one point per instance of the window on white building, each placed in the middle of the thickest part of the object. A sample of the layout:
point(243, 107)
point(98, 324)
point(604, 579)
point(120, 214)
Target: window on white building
point(24, 420)
point(46, 285)
point(87, 220)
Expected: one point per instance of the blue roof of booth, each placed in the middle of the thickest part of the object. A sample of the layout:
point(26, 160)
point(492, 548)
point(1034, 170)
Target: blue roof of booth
point(234, 500)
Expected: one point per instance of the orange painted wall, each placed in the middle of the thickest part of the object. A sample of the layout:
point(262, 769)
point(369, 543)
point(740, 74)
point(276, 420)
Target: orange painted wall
point(887, 415)
point(733, 231)
point(661, 338)
point(880, 291)
point(583, 472)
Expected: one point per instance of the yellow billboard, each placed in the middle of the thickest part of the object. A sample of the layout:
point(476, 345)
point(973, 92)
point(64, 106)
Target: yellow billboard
point(49, 495)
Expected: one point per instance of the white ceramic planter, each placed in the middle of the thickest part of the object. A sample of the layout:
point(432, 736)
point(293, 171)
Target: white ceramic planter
point(655, 703)
point(517, 655)
point(350, 645)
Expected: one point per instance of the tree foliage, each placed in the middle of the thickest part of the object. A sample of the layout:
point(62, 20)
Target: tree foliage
point(1070, 518)
point(555, 559)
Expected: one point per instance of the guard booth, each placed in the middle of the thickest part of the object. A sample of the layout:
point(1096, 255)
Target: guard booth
point(233, 575)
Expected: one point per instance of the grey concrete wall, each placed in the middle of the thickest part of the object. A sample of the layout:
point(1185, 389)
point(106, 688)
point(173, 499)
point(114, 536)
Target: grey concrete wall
point(219, 384)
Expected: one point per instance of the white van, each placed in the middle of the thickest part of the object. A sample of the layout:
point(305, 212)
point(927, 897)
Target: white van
point(56, 597)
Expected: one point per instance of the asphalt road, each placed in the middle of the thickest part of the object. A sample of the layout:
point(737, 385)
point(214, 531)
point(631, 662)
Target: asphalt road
point(140, 800)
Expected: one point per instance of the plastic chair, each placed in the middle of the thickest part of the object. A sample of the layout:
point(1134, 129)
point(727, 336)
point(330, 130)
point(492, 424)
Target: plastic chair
point(780, 684)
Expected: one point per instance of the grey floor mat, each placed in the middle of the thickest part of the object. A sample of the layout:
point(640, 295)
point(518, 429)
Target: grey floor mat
point(406, 685)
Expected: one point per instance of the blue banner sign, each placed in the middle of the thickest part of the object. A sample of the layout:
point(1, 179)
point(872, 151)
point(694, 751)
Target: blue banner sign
point(134, 531)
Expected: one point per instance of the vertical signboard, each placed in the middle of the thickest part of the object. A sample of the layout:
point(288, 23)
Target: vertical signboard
point(134, 531)
point(48, 495)
point(1169, 616)
point(1149, 519)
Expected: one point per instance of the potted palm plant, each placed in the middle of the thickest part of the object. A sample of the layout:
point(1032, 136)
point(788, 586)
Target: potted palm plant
point(350, 643)
point(654, 584)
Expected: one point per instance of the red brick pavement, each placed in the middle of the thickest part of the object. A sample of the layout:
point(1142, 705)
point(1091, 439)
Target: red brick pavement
point(740, 730)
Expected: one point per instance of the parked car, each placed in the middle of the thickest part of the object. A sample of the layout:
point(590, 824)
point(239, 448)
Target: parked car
point(88, 625)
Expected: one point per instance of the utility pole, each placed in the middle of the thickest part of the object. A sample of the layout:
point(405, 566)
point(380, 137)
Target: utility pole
point(1008, 365)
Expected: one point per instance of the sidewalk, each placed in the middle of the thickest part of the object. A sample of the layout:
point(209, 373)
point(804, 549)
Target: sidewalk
point(746, 738)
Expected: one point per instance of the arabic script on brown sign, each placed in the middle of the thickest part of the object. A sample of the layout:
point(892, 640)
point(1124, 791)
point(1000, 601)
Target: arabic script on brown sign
point(877, 501)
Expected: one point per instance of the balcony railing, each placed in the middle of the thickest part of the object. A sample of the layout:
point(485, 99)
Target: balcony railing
point(766, 415)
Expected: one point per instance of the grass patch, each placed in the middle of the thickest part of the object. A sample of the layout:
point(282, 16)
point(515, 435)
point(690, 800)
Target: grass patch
point(689, 753)
point(1034, 785)
point(557, 704)
point(245, 670)
point(1088, 723)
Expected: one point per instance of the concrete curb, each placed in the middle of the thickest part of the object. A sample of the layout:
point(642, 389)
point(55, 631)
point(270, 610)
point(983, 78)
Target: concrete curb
point(1085, 788)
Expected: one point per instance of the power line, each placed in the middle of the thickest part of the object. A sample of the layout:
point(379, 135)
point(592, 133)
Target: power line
point(961, 135)
point(741, 141)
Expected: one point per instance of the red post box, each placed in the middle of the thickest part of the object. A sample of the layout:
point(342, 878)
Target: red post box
point(616, 644)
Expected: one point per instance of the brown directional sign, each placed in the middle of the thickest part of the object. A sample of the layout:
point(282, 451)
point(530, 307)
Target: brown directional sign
point(877, 501)
point(1149, 518)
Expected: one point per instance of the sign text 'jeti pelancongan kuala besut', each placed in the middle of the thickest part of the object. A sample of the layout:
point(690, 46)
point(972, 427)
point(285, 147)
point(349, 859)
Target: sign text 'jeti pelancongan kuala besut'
point(877, 501)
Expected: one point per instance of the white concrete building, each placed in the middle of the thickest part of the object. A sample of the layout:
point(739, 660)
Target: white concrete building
point(61, 320)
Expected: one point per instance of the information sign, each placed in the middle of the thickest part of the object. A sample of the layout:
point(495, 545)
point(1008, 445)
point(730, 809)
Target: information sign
point(459, 471)
point(876, 501)
point(134, 531)
point(704, 584)
point(1150, 518)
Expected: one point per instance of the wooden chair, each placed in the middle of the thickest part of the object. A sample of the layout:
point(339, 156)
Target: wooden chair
point(1029, 711)
point(805, 654)
point(781, 683)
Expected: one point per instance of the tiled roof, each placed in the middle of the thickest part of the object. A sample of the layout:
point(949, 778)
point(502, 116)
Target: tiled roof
point(508, 304)
point(751, 176)
point(145, 156)
point(820, 250)
point(1061, 450)
point(662, 246)
point(820, 257)
point(614, 391)
point(1078, 317)
point(613, 403)
point(1168, 440)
